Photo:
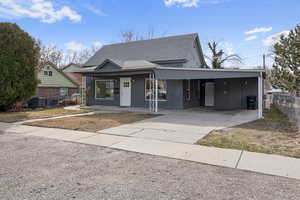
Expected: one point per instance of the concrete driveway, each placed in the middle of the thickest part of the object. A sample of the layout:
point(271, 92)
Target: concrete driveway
point(186, 126)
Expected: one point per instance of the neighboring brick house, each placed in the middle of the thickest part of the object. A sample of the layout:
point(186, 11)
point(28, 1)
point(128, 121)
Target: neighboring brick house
point(54, 83)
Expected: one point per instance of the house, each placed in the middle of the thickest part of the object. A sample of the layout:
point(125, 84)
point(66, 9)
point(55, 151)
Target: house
point(54, 83)
point(169, 73)
point(71, 71)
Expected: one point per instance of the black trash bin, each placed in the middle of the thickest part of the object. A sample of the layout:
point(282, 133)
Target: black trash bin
point(251, 102)
point(37, 102)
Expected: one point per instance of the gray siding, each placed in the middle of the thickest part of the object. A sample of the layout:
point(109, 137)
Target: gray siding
point(174, 93)
point(229, 93)
point(232, 93)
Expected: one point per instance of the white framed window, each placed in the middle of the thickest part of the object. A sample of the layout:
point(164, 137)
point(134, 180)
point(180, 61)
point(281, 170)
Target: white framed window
point(104, 89)
point(47, 73)
point(162, 90)
point(63, 92)
point(188, 91)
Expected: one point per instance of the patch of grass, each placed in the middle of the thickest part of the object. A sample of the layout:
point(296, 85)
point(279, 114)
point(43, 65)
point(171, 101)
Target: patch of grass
point(10, 117)
point(273, 135)
point(92, 123)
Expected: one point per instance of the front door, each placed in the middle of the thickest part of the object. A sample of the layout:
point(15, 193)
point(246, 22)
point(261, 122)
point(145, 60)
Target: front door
point(125, 92)
point(209, 94)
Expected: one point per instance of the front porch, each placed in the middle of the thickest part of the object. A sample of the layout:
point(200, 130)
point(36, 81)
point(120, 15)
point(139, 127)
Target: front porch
point(174, 89)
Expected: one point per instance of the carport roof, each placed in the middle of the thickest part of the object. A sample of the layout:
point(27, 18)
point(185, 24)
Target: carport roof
point(171, 73)
point(203, 73)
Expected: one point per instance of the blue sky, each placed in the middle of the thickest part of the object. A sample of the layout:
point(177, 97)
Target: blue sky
point(246, 27)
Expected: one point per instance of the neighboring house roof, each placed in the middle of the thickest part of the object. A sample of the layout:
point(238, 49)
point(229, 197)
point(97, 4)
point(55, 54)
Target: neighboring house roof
point(70, 70)
point(58, 78)
point(183, 48)
point(72, 67)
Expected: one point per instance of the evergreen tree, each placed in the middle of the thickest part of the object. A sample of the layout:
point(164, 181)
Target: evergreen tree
point(286, 69)
point(19, 55)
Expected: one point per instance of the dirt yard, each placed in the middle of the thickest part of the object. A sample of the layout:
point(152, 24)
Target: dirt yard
point(93, 123)
point(274, 135)
point(10, 117)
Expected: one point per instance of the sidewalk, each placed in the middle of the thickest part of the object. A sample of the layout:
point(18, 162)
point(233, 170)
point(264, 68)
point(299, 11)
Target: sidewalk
point(256, 162)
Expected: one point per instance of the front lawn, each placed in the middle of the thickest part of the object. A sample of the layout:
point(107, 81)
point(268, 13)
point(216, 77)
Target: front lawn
point(274, 135)
point(10, 117)
point(92, 123)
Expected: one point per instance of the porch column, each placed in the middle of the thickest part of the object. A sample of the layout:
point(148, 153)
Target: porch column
point(83, 90)
point(260, 96)
point(156, 95)
point(150, 89)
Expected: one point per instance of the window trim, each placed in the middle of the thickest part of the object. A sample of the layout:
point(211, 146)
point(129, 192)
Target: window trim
point(109, 98)
point(50, 73)
point(145, 89)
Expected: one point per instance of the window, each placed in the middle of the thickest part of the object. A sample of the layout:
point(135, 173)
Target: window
point(162, 90)
point(104, 89)
point(47, 73)
point(188, 91)
point(126, 84)
point(63, 92)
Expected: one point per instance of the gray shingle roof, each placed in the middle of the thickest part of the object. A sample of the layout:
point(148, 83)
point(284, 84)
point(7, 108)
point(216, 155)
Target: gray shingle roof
point(168, 48)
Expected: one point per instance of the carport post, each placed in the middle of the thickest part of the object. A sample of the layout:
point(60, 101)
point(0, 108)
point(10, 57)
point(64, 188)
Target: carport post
point(150, 96)
point(260, 96)
point(156, 95)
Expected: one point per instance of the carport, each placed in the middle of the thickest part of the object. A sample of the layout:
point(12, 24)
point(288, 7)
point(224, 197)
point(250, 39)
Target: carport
point(224, 89)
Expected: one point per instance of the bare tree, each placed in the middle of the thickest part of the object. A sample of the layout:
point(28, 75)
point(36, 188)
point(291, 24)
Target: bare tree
point(50, 53)
point(60, 58)
point(79, 57)
point(130, 35)
point(219, 57)
point(127, 35)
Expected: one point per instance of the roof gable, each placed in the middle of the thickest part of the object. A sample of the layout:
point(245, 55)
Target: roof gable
point(109, 65)
point(160, 49)
point(57, 79)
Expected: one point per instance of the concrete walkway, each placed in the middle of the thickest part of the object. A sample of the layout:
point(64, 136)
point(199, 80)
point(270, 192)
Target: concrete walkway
point(257, 162)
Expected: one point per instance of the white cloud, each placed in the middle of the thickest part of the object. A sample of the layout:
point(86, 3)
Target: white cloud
point(97, 44)
point(44, 10)
point(273, 39)
point(259, 30)
point(253, 37)
point(191, 3)
point(74, 46)
point(95, 10)
point(181, 3)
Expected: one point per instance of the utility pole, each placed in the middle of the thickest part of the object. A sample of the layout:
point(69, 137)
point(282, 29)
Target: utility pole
point(264, 61)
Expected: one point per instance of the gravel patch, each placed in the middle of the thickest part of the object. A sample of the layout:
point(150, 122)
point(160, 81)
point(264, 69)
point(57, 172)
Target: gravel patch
point(38, 168)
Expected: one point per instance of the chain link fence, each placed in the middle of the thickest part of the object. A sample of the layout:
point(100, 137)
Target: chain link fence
point(288, 104)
